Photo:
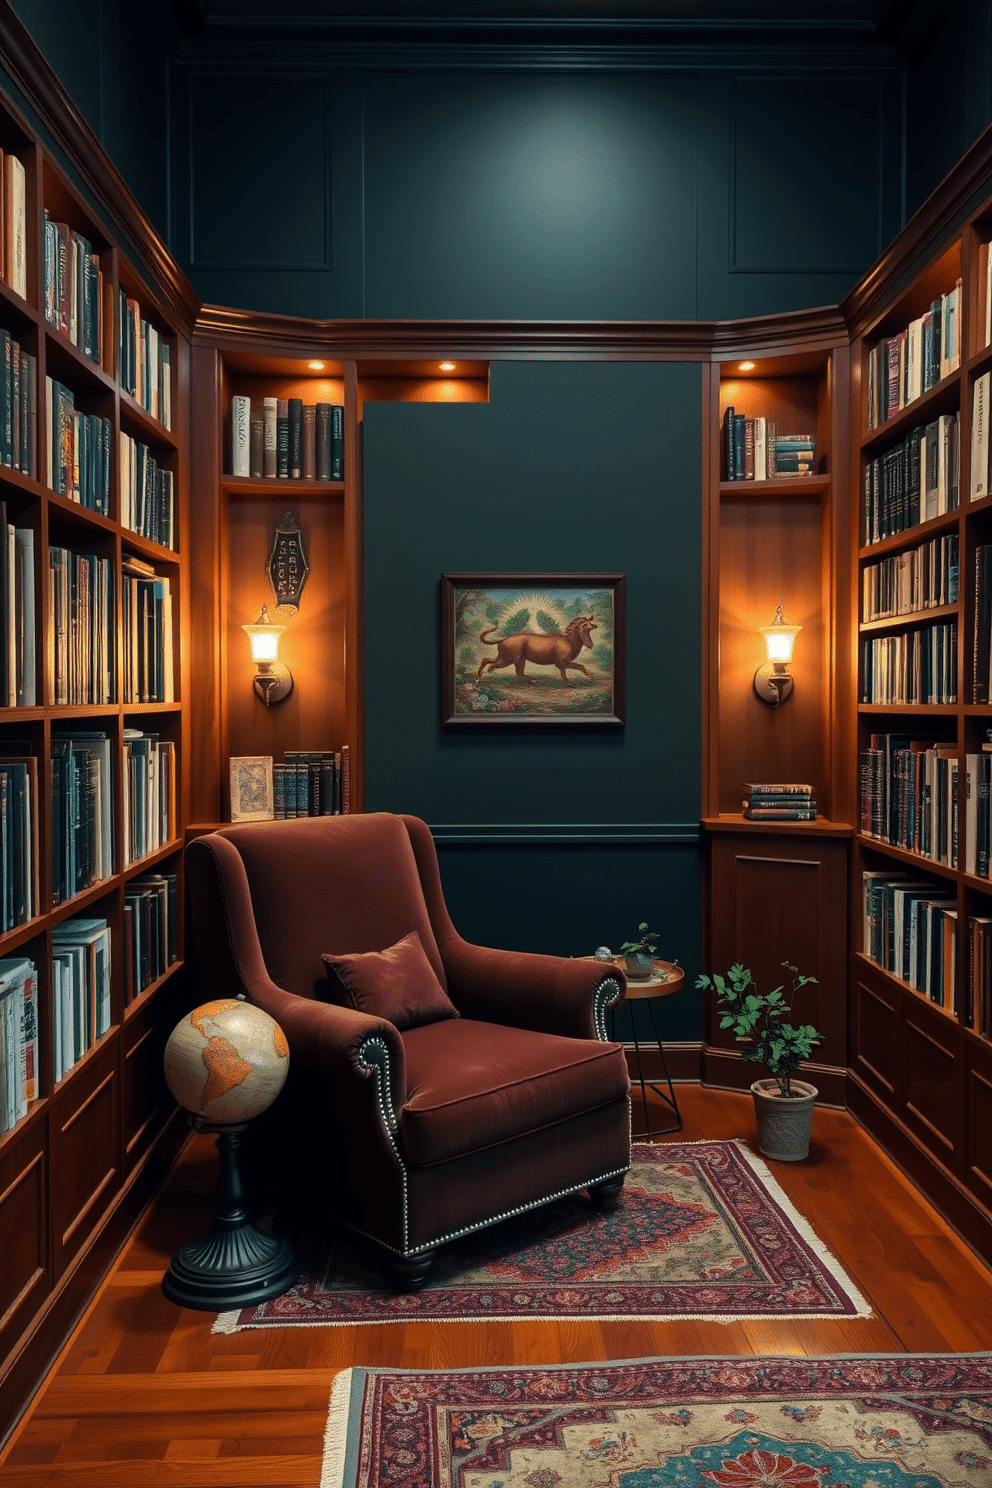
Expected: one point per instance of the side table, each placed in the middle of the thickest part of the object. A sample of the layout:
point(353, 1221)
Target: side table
point(664, 980)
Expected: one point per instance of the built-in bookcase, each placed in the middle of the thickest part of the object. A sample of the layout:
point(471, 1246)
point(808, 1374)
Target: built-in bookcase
point(769, 542)
point(921, 1060)
point(100, 924)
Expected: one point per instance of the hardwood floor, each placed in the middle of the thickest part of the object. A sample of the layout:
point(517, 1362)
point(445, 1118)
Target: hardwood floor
point(145, 1396)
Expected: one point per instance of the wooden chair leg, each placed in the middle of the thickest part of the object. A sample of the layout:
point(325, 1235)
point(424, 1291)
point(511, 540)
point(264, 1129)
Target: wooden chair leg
point(607, 1195)
point(411, 1271)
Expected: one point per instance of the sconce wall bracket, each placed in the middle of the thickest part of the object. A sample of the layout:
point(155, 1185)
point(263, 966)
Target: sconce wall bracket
point(772, 683)
point(273, 682)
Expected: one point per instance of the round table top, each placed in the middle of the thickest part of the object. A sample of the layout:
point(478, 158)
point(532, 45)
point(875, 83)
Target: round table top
point(663, 981)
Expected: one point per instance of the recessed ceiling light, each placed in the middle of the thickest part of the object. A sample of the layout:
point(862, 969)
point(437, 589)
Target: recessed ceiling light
point(316, 366)
point(447, 366)
point(746, 366)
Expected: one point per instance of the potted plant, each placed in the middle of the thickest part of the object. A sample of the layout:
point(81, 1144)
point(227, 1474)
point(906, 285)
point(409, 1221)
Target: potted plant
point(762, 1022)
point(639, 954)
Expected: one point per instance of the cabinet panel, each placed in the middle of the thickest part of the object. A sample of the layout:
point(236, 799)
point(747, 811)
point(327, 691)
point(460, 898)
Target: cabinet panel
point(875, 1038)
point(25, 1276)
point(932, 1079)
point(775, 899)
point(978, 1124)
point(85, 1160)
point(145, 1098)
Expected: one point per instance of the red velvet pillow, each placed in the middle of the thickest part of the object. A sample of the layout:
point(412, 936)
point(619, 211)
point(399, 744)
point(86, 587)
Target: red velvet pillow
point(399, 984)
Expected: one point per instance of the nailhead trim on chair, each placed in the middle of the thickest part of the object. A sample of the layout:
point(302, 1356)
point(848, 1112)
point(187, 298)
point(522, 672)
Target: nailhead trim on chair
point(607, 996)
point(373, 1055)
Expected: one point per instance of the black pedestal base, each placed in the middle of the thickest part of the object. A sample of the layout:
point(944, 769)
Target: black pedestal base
point(230, 1268)
point(234, 1264)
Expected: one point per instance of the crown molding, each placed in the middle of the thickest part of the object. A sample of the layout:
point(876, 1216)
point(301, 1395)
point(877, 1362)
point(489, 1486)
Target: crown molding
point(84, 159)
point(948, 205)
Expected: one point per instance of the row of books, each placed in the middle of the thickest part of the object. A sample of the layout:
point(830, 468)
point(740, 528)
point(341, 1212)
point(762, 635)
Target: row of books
point(920, 578)
point(904, 366)
point(82, 812)
point(982, 639)
point(20, 889)
point(777, 801)
point(18, 688)
point(73, 289)
point(755, 450)
point(78, 449)
point(978, 983)
point(18, 406)
point(146, 604)
point(150, 808)
point(978, 813)
point(311, 783)
point(81, 983)
point(83, 625)
point(288, 438)
point(145, 361)
point(914, 667)
point(146, 493)
point(13, 224)
point(150, 931)
point(18, 1039)
point(910, 930)
point(914, 481)
point(908, 795)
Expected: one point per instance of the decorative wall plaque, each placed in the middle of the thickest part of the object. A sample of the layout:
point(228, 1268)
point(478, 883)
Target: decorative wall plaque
point(287, 567)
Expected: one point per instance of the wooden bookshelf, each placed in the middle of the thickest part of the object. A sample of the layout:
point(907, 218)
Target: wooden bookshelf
point(78, 1167)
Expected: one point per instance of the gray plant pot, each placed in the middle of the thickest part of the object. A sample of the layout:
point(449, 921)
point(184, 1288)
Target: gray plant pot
point(783, 1124)
point(639, 965)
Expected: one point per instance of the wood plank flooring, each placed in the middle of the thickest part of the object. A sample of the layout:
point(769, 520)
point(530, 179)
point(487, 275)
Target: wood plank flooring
point(145, 1396)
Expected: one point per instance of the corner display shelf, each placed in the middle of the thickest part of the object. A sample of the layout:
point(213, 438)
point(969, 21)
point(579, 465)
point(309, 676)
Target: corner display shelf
point(75, 1163)
point(920, 1054)
point(767, 542)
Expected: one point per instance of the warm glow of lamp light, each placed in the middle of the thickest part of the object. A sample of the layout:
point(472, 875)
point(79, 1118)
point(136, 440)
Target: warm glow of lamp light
point(273, 679)
point(773, 682)
point(447, 366)
point(316, 366)
point(746, 366)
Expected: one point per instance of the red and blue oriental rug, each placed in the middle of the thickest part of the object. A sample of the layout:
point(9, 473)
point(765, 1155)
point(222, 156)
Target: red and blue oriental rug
point(702, 1230)
point(870, 1421)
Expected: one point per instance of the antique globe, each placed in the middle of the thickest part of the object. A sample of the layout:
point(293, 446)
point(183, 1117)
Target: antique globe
point(226, 1062)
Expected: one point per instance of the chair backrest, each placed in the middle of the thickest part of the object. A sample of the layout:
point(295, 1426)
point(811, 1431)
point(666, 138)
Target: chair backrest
point(325, 884)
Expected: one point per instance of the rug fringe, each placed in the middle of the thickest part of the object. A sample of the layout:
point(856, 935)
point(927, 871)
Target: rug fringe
point(805, 1229)
point(227, 1322)
point(336, 1432)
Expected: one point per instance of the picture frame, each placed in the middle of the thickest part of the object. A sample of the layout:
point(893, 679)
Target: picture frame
point(252, 796)
point(533, 650)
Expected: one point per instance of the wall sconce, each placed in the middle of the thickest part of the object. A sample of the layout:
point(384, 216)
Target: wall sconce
point(273, 679)
point(773, 682)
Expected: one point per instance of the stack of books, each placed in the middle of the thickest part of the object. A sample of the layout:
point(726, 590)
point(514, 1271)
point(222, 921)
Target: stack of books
point(776, 802)
point(755, 450)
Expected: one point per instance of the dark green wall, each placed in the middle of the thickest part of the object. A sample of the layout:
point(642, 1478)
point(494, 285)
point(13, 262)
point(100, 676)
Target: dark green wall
point(549, 839)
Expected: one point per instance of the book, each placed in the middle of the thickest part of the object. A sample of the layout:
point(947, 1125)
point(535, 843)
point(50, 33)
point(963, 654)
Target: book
point(295, 437)
point(240, 435)
point(774, 788)
point(256, 446)
point(764, 813)
point(15, 225)
point(270, 445)
point(980, 437)
point(282, 437)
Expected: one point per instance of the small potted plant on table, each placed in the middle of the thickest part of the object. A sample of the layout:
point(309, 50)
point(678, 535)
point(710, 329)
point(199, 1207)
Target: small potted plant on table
point(761, 1021)
point(639, 954)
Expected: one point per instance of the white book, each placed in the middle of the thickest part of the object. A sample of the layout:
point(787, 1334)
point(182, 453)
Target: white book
point(240, 435)
point(760, 449)
point(914, 360)
point(26, 684)
point(16, 225)
point(980, 437)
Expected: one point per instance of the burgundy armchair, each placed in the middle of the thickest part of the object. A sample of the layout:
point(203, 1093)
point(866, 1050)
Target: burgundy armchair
point(500, 1093)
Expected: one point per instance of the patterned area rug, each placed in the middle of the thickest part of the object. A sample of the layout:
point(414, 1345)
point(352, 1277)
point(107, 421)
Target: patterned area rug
point(702, 1230)
point(874, 1421)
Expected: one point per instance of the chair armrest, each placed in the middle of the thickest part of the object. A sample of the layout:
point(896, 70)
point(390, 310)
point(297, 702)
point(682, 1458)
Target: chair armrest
point(549, 994)
point(338, 1043)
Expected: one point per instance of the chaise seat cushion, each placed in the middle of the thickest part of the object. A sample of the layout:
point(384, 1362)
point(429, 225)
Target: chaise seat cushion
point(474, 1085)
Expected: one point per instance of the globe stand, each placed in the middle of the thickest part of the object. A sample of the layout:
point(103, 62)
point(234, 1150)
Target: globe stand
point(235, 1264)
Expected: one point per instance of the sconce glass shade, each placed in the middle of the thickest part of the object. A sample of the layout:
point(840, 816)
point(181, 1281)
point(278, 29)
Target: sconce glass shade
point(772, 681)
point(273, 680)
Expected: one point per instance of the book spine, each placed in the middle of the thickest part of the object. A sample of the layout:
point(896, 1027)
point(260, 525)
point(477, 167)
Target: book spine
point(271, 440)
point(240, 435)
point(282, 437)
point(295, 417)
point(256, 446)
point(309, 442)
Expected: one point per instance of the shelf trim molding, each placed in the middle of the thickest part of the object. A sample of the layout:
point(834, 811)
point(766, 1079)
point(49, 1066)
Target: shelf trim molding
point(621, 834)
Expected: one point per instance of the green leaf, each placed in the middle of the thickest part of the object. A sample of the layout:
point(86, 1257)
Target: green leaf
point(515, 623)
point(548, 623)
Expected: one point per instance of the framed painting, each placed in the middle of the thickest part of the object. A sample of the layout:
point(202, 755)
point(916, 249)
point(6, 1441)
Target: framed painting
point(544, 649)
